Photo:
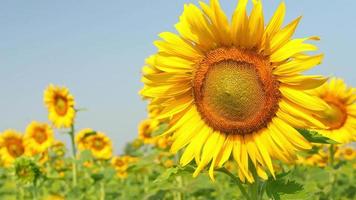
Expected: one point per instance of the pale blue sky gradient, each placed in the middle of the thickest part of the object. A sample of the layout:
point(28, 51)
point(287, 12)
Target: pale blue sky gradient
point(97, 48)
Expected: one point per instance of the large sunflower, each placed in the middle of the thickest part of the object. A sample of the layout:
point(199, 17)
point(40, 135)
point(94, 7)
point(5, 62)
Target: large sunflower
point(60, 104)
point(340, 119)
point(11, 146)
point(38, 137)
point(234, 88)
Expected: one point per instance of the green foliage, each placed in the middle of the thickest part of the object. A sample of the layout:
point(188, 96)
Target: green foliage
point(315, 137)
point(282, 186)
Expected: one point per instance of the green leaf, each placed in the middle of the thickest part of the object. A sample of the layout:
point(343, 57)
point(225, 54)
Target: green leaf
point(166, 174)
point(160, 129)
point(275, 188)
point(172, 172)
point(315, 137)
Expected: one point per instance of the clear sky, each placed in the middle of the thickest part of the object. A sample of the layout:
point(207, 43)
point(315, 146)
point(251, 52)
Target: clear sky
point(96, 48)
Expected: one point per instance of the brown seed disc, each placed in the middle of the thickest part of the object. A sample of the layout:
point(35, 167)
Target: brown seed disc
point(235, 91)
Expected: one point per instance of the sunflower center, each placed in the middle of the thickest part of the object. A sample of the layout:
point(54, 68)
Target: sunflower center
point(40, 136)
point(336, 117)
point(348, 152)
point(98, 144)
point(235, 91)
point(15, 148)
point(61, 105)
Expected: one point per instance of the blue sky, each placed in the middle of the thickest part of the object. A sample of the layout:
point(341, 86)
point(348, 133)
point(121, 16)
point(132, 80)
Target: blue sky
point(96, 48)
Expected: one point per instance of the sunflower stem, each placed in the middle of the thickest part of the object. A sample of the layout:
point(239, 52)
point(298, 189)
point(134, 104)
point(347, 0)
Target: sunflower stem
point(332, 155)
point(102, 190)
point(237, 181)
point(74, 152)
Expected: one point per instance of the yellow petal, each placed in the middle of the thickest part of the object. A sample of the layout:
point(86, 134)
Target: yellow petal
point(239, 27)
point(219, 22)
point(218, 146)
point(176, 106)
point(298, 112)
point(276, 21)
point(303, 82)
point(264, 152)
point(294, 136)
point(194, 148)
point(261, 173)
point(298, 65)
point(284, 35)
point(256, 26)
point(303, 99)
point(169, 90)
point(173, 64)
point(187, 116)
point(174, 45)
point(292, 48)
point(184, 135)
point(209, 150)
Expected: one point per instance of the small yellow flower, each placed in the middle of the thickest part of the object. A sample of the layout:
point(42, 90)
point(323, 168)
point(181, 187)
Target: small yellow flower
point(11, 146)
point(119, 163)
point(53, 197)
point(349, 153)
point(145, 130)
point(38, 137)
point(100, 146)
point(153, 111)
point(58, 148)
point(168, 163)
point(122, 174)
point(88, 164)
point(81, 138)
point(60, 104)
point(164, 142)
point(130, 159)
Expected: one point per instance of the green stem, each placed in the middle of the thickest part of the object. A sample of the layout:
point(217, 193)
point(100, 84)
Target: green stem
point(180, 185)
point(332, 155)
point(74, 152)
point(237, 181)
point(21, 192)
point(102, 191)
point(333, 173)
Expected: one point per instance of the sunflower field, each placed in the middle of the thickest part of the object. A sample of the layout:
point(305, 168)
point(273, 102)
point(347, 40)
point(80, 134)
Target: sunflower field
point(230, 115)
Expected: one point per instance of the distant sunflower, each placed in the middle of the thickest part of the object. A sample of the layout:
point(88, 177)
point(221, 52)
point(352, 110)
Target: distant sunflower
point(145, 130)
point(38, 137)
point(341, 117)
point(119, 163)
point(234, 88)
point(100, 146)
point(81, 138)
point(60, 104)
point(11, 146)
point(349, 153)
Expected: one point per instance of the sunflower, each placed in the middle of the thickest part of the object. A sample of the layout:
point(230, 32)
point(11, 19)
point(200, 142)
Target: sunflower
point(60, 104)
point(234, 88)
point(38, 137)
point(11, 146)
point(145, 129)
point(100, 146)
point(349, 153)
point(58, 148)
point(81, 138)
point(340, 119)
point(119, 163)
point(163, 142)
point(122, 174)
